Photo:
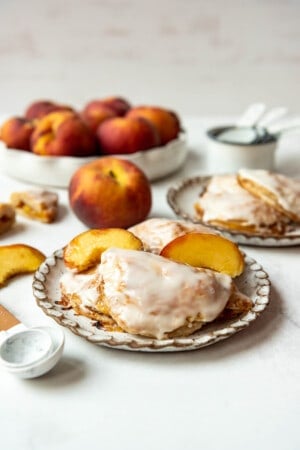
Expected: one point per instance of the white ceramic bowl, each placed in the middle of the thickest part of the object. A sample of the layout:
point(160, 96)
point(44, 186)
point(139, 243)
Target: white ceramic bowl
point(57, 171)
point(225, 157)
point(25, 348)
point(44, 365)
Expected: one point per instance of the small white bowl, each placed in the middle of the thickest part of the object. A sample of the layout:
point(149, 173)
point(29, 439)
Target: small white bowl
point(25, 348)
point(225, 157)
point(44, 365)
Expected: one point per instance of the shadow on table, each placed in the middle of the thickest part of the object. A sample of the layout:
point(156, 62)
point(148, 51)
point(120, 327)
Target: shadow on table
point(258, 332)
point(68, 371)
point(63, 211)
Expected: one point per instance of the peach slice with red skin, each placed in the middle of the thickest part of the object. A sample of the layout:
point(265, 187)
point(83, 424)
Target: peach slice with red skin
point(18, 259)
point(85, 250)
point(206, 250)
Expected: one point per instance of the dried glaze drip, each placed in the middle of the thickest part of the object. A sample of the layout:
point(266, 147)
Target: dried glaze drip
point(156, 233)
point(225, 200)
point(149, 295)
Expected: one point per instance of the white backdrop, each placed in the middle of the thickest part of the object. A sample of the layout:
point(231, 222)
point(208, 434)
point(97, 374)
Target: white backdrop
point(195, 56)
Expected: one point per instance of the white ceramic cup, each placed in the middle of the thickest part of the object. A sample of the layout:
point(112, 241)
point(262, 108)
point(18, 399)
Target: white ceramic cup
point(223, 157)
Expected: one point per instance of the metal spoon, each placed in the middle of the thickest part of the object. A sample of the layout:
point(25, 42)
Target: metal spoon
point(271, 116)
point(252, 115)
point(245, 131)
point(282, 127)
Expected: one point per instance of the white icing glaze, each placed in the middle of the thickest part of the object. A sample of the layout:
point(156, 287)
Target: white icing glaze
point(152, 295)
point(85, 286)
point(286, 190)
point(46, 198)
point(156, 233)
point(226, 200)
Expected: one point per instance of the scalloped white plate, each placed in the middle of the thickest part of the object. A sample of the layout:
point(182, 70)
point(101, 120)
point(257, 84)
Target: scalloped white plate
point(254, 282)
point(182, 197)
point(57, 171)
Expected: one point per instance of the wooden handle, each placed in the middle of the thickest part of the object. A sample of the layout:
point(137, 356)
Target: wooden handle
point(7, 319)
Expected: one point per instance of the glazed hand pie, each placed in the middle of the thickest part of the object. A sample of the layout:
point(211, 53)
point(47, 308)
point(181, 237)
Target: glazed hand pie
point(277, 190)
point(149, 295)
point(37, 205)
point(82, 292)
point(225, 203)
point(156, 233)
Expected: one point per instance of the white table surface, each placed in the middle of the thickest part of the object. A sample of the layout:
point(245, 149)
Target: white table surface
point(242, 393)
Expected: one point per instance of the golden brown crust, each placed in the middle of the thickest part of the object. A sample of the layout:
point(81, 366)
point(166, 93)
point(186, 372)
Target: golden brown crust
point(266, 196)
point(7, 217)
point(237, 305)
point(227, 204)
point(103, 320)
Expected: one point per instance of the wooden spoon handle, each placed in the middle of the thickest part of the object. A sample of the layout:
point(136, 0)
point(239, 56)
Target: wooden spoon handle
point(7, 319)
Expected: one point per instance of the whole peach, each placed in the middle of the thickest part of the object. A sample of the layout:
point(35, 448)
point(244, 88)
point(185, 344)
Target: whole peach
point(16, 133)
point(110, 192)
point(119, 104)
point(166, 121)
point(63, 134)
point(95, 112)
point(41, 108)
point(125, 135)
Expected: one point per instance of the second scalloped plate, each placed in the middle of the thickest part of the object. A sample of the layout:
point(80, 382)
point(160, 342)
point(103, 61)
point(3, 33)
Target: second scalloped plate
point(182, 197)
point(57, 171)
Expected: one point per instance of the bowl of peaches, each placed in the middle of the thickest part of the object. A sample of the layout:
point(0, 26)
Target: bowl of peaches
point(50, 141)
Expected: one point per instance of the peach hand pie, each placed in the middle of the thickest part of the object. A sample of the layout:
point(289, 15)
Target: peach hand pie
point(38, 205)
point(139, 292)
point(280, 192)
point(149, 295)
point(156, 233)
point(225, 203)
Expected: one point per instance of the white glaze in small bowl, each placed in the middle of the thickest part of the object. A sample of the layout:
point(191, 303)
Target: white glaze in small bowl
point(25, 348)
point(223, 157)
point(44, 365)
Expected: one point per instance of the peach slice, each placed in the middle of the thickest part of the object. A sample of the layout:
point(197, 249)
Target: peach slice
point(85, 249)
point(17, 259)
point(206, 250)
